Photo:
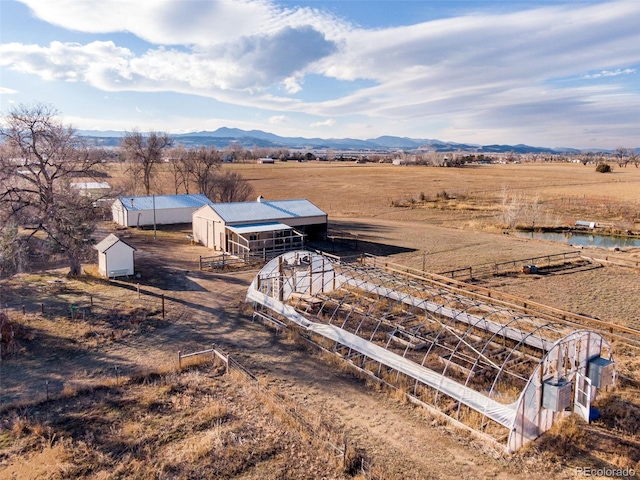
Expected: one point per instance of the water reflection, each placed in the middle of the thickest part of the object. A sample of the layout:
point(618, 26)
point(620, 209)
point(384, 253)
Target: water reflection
point(583, 239)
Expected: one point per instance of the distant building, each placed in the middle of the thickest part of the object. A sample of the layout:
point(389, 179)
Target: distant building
point(261, 226)
point(92, 189)
point(158, 209)
point(266, 160)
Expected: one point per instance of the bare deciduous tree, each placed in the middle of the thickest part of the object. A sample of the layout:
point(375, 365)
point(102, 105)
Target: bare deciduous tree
point(39, 158)
point(178, 163)
point(228, 187)
point(511, 206)
point(13, 249)
point(144, 152)
point(534, 211)
point(203, 163)
point(621, 156)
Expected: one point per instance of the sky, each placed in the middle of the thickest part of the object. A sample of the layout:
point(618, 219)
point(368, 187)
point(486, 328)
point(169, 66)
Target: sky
point(547, 73)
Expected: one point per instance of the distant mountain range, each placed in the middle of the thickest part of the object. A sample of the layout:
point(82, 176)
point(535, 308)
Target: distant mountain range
point(224, 136)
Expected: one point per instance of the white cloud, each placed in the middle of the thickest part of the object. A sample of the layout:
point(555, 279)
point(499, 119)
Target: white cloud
point(93, 63)
point(330, 122)
point(278, 119)
point(292, 84)
point(458, 73)
point(7, 91)
point(610, 73)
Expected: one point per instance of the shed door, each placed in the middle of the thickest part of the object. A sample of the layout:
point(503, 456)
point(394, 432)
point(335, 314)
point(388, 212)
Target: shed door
point(582, 398)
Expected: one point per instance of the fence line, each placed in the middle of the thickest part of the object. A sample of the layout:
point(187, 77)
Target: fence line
point(492, 269)
point(628, 335)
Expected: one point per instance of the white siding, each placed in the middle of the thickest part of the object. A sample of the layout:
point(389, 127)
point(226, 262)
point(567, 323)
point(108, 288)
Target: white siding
point(118, 257)
point(119, 213)
point(207, 226)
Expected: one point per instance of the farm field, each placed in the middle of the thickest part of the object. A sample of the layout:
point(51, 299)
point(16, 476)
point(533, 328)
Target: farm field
point(565, 191)
point(74, 360)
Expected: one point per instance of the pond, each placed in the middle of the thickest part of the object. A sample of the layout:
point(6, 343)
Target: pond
point(583, 239)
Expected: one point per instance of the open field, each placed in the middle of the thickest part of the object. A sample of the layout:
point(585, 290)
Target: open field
point(566, 191)
point(74, 360)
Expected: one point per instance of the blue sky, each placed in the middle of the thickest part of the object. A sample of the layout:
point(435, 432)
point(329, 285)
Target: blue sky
point(548, 73)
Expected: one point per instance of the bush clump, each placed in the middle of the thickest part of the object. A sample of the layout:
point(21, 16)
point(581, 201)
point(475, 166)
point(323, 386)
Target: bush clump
point(603, 168)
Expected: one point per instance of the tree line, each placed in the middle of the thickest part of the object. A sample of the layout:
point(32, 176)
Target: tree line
point(41, 213)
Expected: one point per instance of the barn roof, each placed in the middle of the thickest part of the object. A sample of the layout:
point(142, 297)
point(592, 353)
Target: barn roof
point(91, 185)
point(261, 211)
point(109, 242)
point(164, 202)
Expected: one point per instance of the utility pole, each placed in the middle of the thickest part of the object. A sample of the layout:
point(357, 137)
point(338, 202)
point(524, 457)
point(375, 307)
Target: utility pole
point(153, 199)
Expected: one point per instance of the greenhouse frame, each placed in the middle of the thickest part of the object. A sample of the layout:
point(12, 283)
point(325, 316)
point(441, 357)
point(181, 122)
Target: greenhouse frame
point(502, 373)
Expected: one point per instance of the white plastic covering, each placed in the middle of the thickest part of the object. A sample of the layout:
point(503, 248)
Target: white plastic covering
point(471, 353)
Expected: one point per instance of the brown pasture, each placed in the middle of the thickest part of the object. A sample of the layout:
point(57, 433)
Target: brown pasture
point(367, 190)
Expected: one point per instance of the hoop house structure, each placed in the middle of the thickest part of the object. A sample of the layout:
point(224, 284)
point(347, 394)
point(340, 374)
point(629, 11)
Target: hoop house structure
point(499, 372)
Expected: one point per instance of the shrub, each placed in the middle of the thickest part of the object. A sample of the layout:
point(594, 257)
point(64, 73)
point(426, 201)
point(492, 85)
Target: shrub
point(603, 168)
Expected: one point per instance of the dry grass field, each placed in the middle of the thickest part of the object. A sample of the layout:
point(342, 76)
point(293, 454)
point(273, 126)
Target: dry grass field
point(565, 191)
point(99, 395)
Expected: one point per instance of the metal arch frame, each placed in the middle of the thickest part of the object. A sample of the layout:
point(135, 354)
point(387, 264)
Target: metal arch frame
point(480, 354)
point(360, 284)
point(447, 328)
point(490, 340)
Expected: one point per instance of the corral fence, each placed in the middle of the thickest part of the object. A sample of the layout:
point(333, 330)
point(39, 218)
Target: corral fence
point(334, 441)
point(501, 268)
point(342, 237)
point(253, 258)
point(222, 261)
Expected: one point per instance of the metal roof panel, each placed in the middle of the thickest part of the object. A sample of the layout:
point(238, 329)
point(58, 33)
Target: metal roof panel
point(164, 202)
point(246, 212)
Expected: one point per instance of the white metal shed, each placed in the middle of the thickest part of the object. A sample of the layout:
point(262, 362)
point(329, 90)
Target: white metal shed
point(157, 209)
point(236, 226)
point(115, 257)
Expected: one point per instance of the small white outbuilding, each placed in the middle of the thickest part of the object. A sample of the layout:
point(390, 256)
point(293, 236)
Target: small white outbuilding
point(115, 257)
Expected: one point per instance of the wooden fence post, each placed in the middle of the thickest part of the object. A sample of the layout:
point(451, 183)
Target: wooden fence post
point(179, 360)
point(163, 306)
point(344, 451)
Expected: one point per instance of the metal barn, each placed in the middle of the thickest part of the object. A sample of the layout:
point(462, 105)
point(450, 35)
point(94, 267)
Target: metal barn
point(503, 374)
point(261, 227)
point(156, 209)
